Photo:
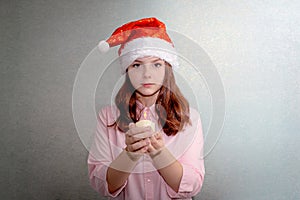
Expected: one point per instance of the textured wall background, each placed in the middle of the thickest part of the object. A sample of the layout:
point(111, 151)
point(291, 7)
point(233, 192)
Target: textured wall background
point(254, 45)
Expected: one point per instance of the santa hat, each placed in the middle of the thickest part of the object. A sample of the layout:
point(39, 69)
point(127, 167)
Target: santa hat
point(144, 37)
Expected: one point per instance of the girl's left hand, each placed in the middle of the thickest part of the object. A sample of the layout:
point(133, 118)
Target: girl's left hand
point(156, 142)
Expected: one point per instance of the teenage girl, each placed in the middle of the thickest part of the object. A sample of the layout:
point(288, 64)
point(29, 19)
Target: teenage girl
point(161, 161)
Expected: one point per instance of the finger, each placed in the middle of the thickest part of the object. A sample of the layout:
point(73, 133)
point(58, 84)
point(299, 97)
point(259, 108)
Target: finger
point(143, 150)
point(150, 148)
point(153, 139)
point(133, 139)
point(154, 142)
point(140, 144)
point(131, 125)
point(130, 139)
point(158, 135)
point(137, 130)
point(143, 135)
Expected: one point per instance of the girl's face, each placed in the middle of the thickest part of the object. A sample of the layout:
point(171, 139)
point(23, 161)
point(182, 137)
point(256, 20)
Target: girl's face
point(147, 75)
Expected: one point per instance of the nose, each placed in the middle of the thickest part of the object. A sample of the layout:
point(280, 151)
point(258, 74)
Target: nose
point(147, 71)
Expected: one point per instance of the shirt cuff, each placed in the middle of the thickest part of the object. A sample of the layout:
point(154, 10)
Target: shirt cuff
point(102, 176)
point(189, 186)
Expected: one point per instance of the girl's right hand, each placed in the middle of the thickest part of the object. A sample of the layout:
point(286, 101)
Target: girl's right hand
point(137, 138)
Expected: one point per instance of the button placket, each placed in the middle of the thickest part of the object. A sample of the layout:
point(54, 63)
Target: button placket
point(149, 186)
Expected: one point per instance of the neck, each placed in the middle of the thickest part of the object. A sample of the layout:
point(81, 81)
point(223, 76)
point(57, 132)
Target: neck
point(147, 100)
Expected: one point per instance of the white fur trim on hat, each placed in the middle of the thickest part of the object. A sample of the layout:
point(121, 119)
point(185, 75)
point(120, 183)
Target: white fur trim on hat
point(148, 46)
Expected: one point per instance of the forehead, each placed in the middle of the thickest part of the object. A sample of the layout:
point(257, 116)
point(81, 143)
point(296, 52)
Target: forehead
point(148, 59)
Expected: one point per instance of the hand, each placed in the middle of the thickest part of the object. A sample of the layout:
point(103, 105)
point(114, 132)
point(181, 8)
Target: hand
point(156, 143)
point(137, 138)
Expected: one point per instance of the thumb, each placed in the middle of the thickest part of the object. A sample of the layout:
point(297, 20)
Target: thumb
point(150, 148)
point(131, 125)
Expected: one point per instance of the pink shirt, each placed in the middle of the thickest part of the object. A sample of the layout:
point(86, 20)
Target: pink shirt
point(145, 182)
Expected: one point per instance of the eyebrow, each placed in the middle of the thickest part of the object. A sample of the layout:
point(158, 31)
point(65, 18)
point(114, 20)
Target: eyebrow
point(158, 59)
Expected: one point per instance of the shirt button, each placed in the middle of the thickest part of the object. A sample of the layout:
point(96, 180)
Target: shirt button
point(148, 180)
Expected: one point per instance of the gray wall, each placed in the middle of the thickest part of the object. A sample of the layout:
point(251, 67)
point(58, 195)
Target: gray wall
point(254, 46)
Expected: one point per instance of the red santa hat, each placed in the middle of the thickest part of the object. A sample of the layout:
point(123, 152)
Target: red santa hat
point(144, 37)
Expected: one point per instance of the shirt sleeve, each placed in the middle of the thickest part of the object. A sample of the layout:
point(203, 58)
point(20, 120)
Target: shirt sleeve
point(192, 162)
point(100, 156)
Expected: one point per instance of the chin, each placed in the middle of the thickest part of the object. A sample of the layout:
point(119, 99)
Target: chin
point(147, 92)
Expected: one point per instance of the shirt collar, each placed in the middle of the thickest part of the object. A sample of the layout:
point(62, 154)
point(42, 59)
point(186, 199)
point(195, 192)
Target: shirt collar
point(140, 107)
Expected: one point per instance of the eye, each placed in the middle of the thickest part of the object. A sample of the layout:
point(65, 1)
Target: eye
point(157, 64)
point(136, 65)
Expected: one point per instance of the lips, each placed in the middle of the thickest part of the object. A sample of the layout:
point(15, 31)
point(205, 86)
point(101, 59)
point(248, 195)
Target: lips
point(147, 85)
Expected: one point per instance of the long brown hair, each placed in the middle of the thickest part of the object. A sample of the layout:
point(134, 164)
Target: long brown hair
point(171, 106)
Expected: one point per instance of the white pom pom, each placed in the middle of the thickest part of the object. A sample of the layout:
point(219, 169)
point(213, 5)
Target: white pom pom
point(103, 46)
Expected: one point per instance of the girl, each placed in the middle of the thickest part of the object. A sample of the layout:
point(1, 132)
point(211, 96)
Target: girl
point(160, 161)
